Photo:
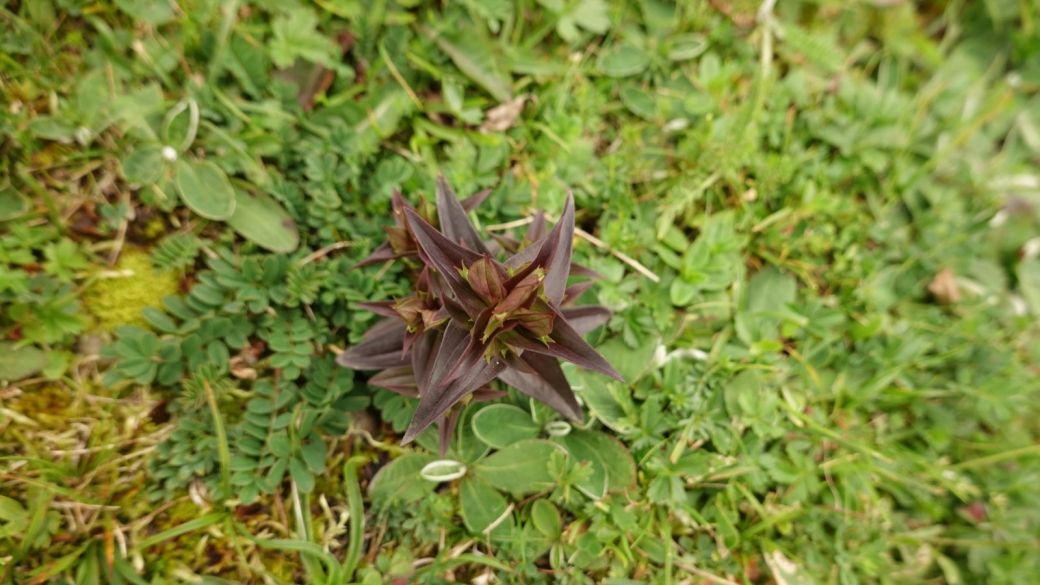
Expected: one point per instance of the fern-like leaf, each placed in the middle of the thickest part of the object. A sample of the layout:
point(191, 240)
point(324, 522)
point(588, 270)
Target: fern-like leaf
point(177, 252)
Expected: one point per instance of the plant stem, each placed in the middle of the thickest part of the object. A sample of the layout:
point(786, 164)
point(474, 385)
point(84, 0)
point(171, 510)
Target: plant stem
point(222, 443)
point(357, 516)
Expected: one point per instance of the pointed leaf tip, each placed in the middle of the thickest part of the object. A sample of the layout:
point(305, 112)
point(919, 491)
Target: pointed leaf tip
point(562, 239)
point(454, 224)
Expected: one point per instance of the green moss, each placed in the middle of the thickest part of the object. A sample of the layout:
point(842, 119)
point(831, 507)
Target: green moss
point(154, 228)
point(47, 405)
point(180, 513)
point(118, 301)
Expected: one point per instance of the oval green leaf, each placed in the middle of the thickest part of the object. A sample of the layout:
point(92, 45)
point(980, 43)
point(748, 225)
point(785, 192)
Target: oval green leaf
point(605, 451)
point(475, 57)
point(144, 165)
point(631, 363)
point(313, 451)
point(482, 506)
point(639, 102)
point(300, 474)
point(262, 220)
point(205, 189)
point(18, 363)
point(399, 480)
point(687, 46)
point(520, 468)
point(12, 203)
point(52, 128)
point(155, 12)
point(624, 61)
point(466, 447)
point(546, 519)
point(594, 485)
point(501, 425)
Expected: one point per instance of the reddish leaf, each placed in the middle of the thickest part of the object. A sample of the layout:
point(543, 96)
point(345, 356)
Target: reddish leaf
point(438, 399)
point(559, 264)
point(515, 362)
point(586, 318)
point(473, 352)
point(446, 428)
point(378, 352)
point(549, 386)
point(400, 240)
point(576, 290)
point(488, 394)
point(486, 279)
point(400, 379)
point(536, 230)
point(453, 343)
point(579, 270)
point(538, 320)
point(454, 224)
point(473, 201)
point(424, 352)
point(409, 309)
point(381, 308)
point(381, 327)
point(553, 255)
point(508, 244)
point(566, 344)
point(522, 294)
point(523, 257)
point(381, 254)
point(446, 257)
point(456, 312)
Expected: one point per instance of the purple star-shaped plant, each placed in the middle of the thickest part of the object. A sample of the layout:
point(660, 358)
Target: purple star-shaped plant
point(473, 319)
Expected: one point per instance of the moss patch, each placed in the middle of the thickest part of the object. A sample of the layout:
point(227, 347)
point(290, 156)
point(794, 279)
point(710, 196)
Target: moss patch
point(118, 301)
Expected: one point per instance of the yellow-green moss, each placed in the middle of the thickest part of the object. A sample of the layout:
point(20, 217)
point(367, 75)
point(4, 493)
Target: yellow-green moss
point(154, 228)
point(47, 405)
point(118, 301)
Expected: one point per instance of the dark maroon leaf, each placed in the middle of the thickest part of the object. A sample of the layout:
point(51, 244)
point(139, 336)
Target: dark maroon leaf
point(399, 379)
point(399, 203)
point(381, 327)
point(424, 352)
point(377, 352)
point(506, 243)
point(549, 386)
point(538, 323)
point(453, 342)
point(579, 270)
point(576, 290)
point(454, 224)
point(474, 351)
point(381, 254)
point(586, 318)
point(566, 344)
point(457, 313)
point(521, 294)
point(473, 201)
point(559, 265)
point(536, 230)
point(554, 254)
point(486, 279)
point(381, 308)
point(488, 394)
point(438, 399)
point(524, 256)
point(446, 428)
point(515, 362)
point(447, 257)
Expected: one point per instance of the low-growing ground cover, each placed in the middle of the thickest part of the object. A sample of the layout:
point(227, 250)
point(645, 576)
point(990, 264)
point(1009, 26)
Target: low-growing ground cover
point(814, 223)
